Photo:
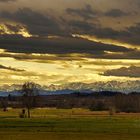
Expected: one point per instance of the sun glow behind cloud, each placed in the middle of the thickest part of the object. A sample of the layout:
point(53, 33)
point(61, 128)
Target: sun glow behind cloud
point(70, 43)
point(60, 69)
point(57, 71)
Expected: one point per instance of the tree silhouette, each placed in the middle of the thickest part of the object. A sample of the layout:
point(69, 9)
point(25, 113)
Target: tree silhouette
point(30, 96)
point(4, 104)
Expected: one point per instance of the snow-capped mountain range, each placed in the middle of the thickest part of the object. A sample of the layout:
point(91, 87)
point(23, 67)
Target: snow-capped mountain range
point(125, 87)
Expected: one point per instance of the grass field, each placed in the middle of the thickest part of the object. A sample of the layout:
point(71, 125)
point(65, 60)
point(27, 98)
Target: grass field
point(75, 124)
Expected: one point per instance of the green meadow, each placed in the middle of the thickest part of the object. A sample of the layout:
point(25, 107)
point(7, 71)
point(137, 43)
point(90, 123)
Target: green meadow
point(69, 124)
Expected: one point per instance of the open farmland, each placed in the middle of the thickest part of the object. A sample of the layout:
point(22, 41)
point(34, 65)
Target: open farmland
point(69, 124)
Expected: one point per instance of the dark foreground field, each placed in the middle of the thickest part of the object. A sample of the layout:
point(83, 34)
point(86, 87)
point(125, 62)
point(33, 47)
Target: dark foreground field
point(70, 125)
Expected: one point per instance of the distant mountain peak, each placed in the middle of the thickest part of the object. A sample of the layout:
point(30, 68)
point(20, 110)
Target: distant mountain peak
point(119, 86)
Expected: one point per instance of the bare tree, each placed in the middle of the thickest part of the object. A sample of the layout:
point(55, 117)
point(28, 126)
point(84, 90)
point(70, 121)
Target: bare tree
point(4, 104)
point(30, 96)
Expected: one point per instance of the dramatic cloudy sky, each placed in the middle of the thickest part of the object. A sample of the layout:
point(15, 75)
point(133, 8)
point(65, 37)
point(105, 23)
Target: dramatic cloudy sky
point(64, 41)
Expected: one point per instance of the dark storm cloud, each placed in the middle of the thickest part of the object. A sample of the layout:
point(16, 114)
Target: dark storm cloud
point(131, 71)
point(7, 1)
point(134, 32)
point(138, 3)
point(115, 13)
point(68, 57)
point(61, 45)
point(11, 69)
point(130, 35)
point(44, 24)
point(92, 29)
point(84, 27)
point(87, 12)
point(135, 29)
point(36, 22)
point(135, 54)
point(127, 35)
point(81, 27)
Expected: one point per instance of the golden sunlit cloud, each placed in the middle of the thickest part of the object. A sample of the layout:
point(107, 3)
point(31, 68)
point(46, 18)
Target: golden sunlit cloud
point(20, 30)
point(87, 70)
point(2, 50)
point(109, 52)
point(106, 41)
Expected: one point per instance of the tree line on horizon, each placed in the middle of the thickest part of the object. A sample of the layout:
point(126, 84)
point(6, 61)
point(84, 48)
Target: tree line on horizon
point(104, 101)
